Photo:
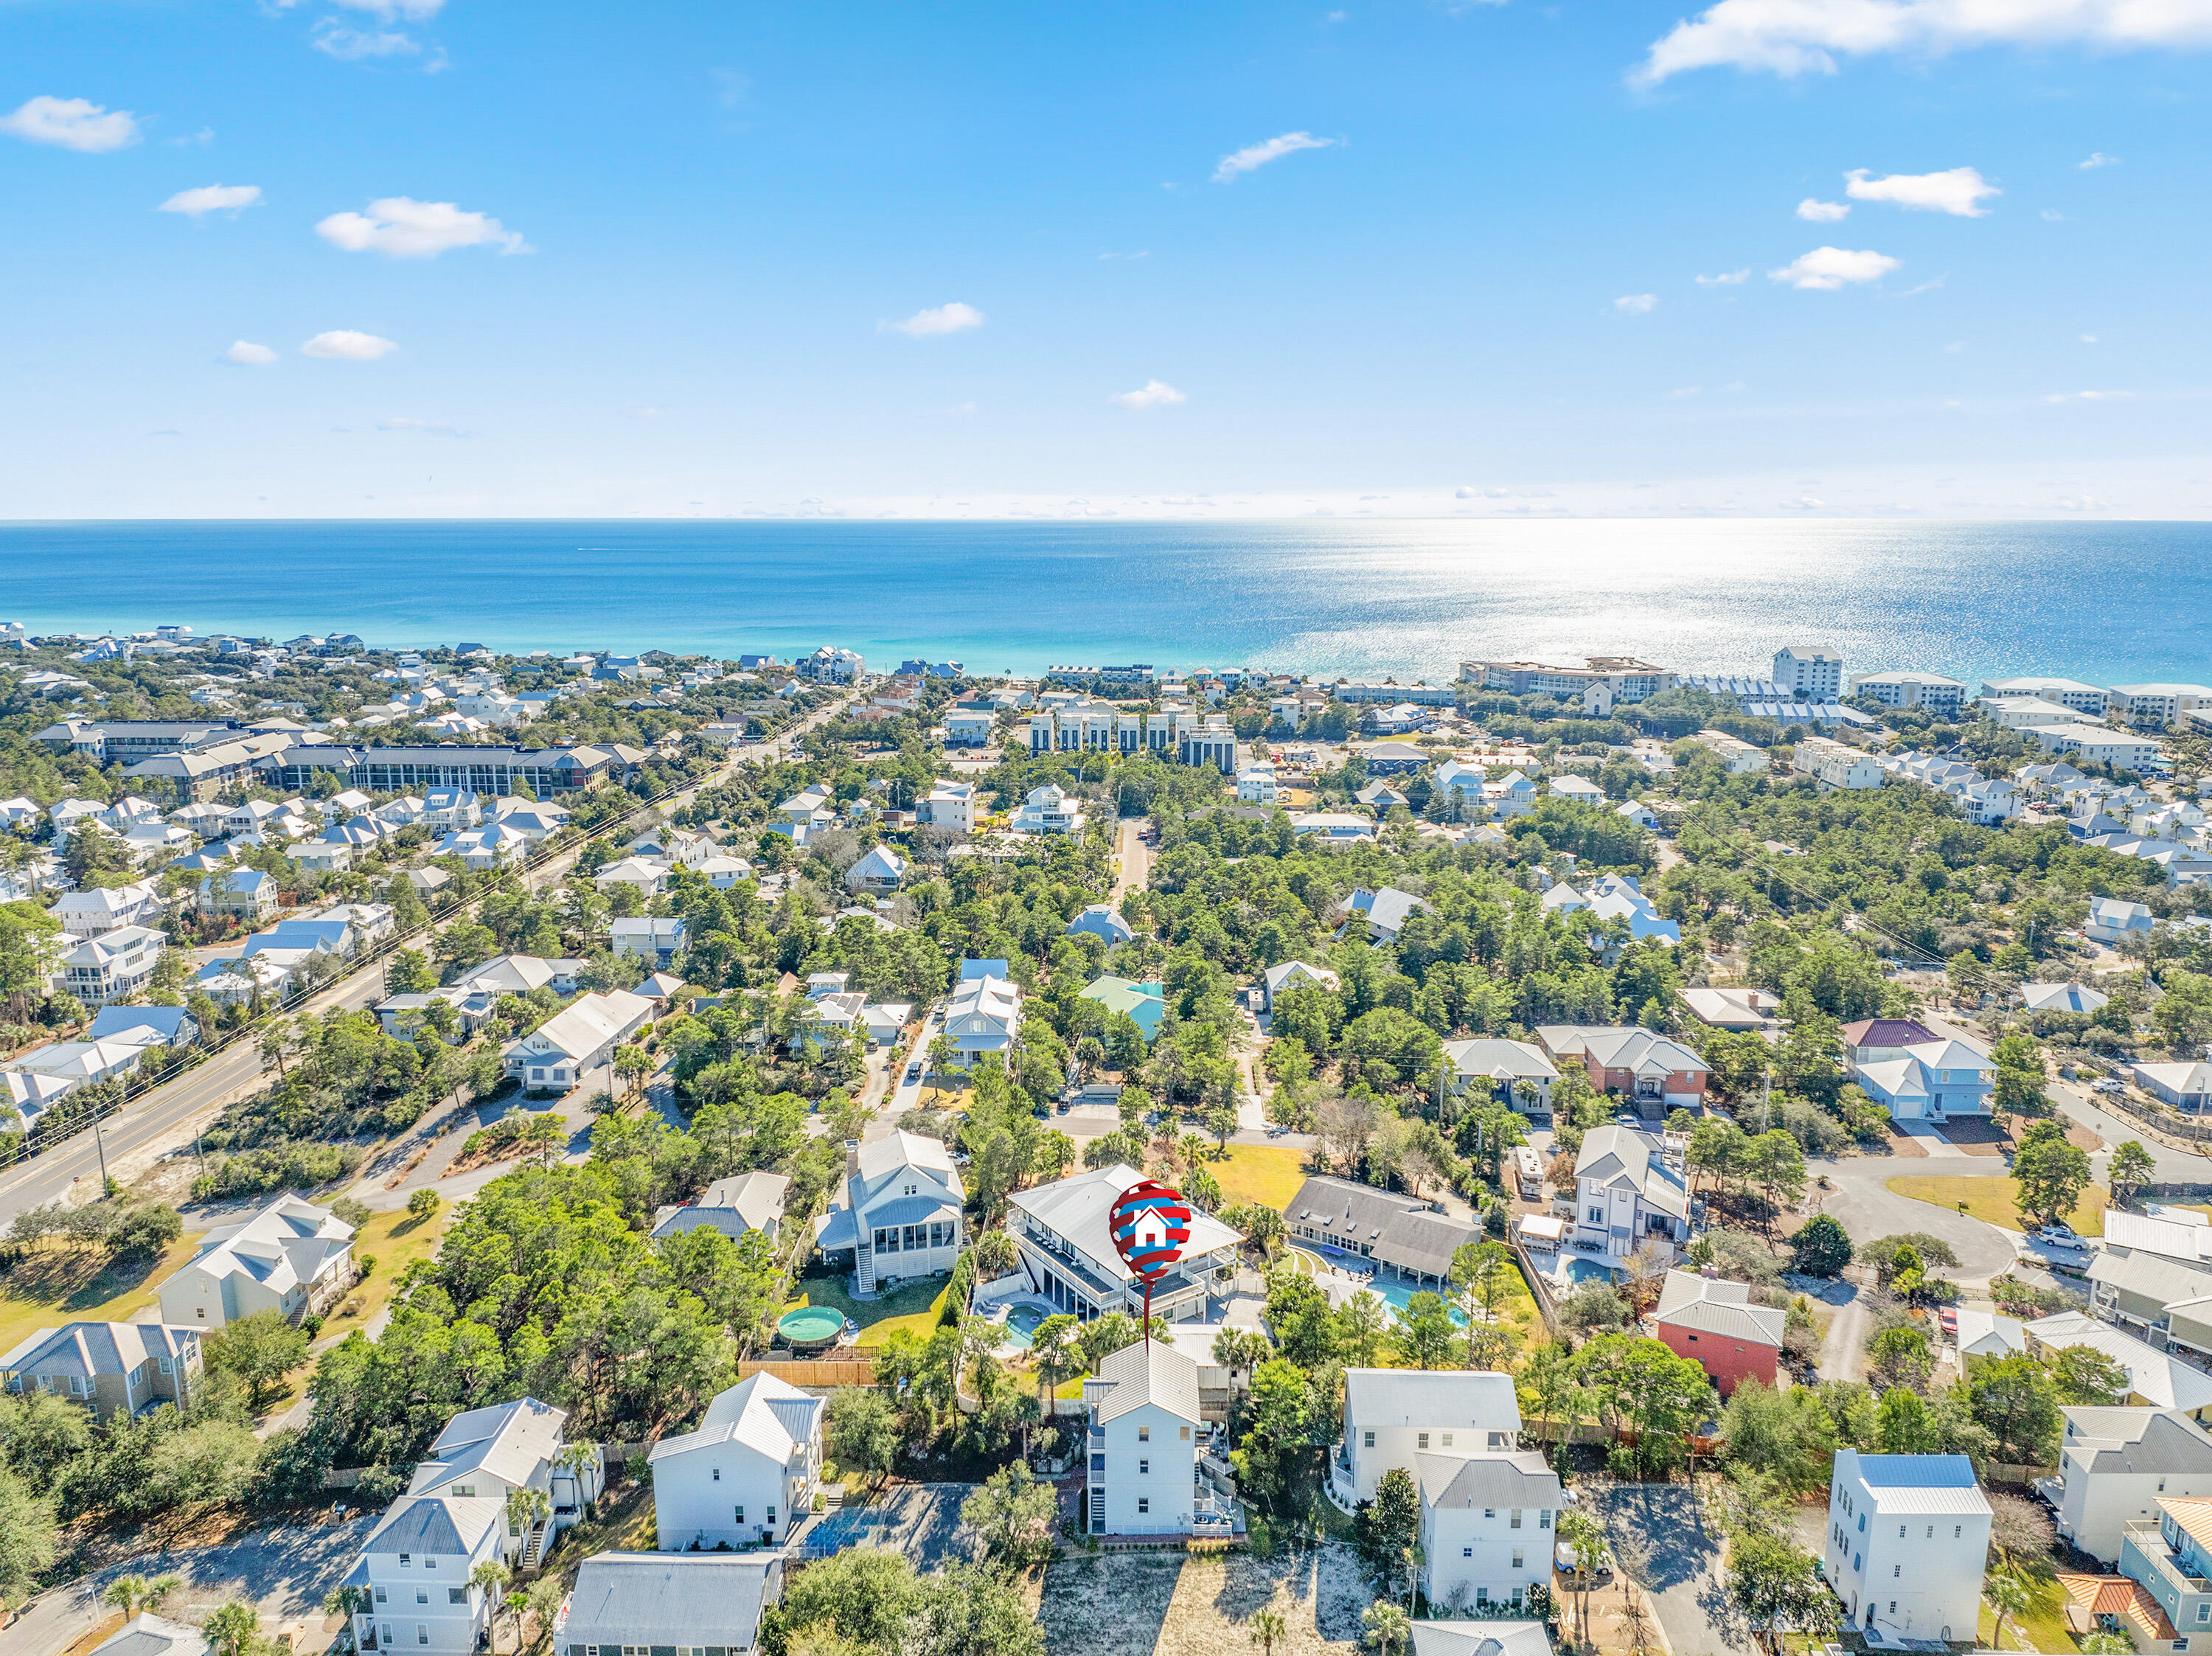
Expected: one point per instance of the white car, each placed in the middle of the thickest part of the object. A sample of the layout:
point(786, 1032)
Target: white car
point(2059, 1235)
point(2105, 1084)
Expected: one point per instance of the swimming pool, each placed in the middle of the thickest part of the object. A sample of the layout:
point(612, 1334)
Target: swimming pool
point(1578, 1271)
point(1022, 1326)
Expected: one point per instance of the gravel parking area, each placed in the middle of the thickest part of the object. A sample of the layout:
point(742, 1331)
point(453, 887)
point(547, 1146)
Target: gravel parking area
point(1662, 1541)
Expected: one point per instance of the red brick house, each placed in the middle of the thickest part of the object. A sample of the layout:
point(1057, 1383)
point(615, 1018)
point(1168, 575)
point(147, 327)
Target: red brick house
point(1636, 1065)
point(1714, 1323)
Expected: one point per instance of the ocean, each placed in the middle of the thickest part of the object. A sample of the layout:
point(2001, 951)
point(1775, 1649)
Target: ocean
point(2107, 603)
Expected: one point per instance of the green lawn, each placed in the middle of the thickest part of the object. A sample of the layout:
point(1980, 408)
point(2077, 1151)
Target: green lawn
point(394, 1239)
point(914, 1307)
point(1269, 1174)
point(56, 1284)
point(2041, 1626)
point(1991, 1200)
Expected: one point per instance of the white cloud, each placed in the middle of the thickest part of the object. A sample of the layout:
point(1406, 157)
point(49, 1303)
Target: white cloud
point(213, 198)
point(2084, 503)
point(72, 124)
point(2089, 339)
point(1822, 212)
point(204, 138)
point(247, 355)
point(1635, 304)
point(346, 345)
point(351, 45)
point(395, 11)
point(1826, 267)
point(427, 428)
point(1959, 191)
point(2053, 215)
point(1804, 503)
point(954, 318)
point(2086, 396)
point(1800, 37)
point(1152, 394)
point(1256, 155)
point(1725, 279)
point(400, 227)
point(2099, 159)
point(1684, 392)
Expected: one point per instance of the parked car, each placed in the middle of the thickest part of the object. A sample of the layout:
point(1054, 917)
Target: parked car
point(2060, 1234)
point(913, 1072)
point(1563, 1557)
point(2106, 1084)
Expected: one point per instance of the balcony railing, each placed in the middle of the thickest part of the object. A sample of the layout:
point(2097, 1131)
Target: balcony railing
point(2150, 1541)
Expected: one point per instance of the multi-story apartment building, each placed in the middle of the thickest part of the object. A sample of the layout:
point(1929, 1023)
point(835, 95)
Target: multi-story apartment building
point(1909, 689)
point(1624, 677)
point(2088, 699)
point(1809, 672)
point(1629, 1191)
point(1835, 765)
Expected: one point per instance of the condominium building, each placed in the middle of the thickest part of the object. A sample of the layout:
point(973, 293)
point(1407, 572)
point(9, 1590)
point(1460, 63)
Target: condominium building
point(1809, 672)
point(1625, 677)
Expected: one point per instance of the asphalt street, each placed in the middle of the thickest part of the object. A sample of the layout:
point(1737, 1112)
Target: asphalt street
point(161, 1120)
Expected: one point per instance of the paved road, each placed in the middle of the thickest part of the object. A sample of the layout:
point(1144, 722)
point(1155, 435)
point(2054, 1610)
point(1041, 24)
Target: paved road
point(1133, 868)
point(1660, 1540)
point(1861, 1200)
point(286, 1571)
point(160, 1120)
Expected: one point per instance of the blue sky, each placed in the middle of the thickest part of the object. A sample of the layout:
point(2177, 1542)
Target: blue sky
point(1064, 259)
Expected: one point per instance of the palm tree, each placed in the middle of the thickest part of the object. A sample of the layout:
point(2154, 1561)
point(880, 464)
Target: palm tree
point(133, 1594)
point(1387, 1626)
point(2008, 1594)
point(234, 1629)
point(1268, 1626)
point(526, 1508)
point(492, 1576)
point(996, 1254)
point(516, 1604)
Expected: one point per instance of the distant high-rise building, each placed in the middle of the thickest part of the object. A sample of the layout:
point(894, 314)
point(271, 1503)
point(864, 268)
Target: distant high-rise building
point(1812, 672)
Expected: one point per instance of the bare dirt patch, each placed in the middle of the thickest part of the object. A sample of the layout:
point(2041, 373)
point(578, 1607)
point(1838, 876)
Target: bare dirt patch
point(1976, 1138)
point(1166, 1603)
point(1903, 1144)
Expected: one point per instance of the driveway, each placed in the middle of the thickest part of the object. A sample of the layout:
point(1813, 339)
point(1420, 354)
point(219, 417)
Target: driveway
point(1660, 1540)
point(286, 1571)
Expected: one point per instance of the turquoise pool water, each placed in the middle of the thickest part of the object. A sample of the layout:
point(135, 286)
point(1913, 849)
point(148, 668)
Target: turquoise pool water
point(1022, 1326)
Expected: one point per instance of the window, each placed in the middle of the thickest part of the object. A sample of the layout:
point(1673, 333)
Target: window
point(1467, 1552)
point(380, 1599)
point(1896, 1570)
point(1498, 1440)
point(771, 1517)
point(916, 1237)
point(1931, 1534)
point(457, 1595)
point(1425, 1440)
point(1958, 1531)
point(1893, 1607)
point(1490, 1512)
point(1447, 1444)
point(430, 1561)
point(1143, 1434)
point(1693, 1339)
point(465, 1488)
point(1544, 1519)
point(165, 1369)
point(422, 1634)
point(1900, 1531)
point(1518, 1557)
point(1144, 1469)
point(1367, 1440)
point(405, 1559)
point(741, 1514)
point(1597, 1216)
point(717, 1478)
point(1143, 1503)
point(1183, 1432)
point(422, 1596)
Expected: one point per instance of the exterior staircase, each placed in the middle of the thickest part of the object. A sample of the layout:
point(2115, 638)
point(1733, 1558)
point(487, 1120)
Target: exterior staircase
point(533, 1549)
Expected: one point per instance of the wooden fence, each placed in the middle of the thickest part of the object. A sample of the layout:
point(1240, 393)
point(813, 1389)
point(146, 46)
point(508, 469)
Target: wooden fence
point(823, 1371)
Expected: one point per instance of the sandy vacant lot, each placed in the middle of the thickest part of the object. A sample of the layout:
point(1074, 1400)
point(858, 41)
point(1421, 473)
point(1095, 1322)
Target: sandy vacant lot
point(1167, 1605)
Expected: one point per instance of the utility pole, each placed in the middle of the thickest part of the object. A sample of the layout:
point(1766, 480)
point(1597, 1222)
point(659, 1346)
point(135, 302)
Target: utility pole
point(100, 1145)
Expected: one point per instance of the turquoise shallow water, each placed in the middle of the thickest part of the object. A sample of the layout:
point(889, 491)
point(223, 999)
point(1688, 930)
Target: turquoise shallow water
point(2110, 603)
